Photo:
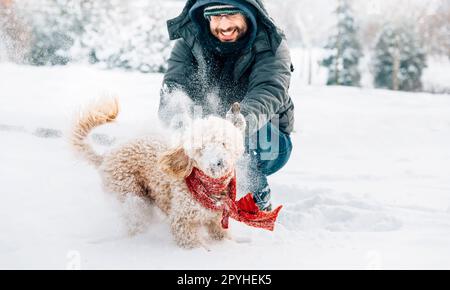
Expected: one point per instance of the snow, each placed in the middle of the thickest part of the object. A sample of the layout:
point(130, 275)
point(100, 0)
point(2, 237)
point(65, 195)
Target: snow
point(436, 77)
point(368, 185)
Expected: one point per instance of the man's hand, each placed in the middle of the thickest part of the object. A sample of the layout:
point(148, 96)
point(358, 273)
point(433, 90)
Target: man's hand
point(234, 116)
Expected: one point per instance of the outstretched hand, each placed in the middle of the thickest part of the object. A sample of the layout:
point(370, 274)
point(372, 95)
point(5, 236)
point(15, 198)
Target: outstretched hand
point(234, 116)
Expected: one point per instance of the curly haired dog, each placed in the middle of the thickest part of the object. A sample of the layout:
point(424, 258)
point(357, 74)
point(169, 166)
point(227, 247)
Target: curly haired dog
point(154, 171)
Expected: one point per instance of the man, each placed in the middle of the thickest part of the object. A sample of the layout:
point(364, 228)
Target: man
point(232, 49)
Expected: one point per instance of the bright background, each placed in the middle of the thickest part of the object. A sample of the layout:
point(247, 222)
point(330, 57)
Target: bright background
point(368, 185)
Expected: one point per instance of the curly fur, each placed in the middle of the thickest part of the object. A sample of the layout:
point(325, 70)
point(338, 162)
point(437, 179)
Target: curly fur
point(150, 169)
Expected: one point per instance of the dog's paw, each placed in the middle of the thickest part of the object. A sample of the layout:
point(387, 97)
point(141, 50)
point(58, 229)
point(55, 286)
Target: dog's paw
point(216, 232)
point(188, 244)
point(134, 230)
point(218, 235)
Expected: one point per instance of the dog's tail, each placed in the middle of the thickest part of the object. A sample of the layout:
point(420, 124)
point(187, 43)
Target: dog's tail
point(96, 114)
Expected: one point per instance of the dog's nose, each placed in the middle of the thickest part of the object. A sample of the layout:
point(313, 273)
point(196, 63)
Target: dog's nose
point(220, 163)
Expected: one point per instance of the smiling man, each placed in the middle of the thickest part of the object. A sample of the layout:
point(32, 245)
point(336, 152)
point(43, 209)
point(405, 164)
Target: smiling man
point(233, 50)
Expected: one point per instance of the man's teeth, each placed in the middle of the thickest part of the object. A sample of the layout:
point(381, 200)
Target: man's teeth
point(227, 33)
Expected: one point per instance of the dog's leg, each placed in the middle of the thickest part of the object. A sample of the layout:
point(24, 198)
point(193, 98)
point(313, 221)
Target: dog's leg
point(185, 231)
point(185, 218)
point(137, 213)
point(216, 231)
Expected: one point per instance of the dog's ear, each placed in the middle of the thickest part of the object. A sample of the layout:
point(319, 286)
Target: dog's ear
point(176, 163)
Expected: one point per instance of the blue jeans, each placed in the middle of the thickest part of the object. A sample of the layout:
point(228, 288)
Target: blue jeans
point(269, 150)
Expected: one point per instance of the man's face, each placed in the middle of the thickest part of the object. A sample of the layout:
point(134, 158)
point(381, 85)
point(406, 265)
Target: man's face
point(228, 28)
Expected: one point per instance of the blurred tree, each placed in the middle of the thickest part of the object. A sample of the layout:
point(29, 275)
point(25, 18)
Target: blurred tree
point(344, 50)
point(14, 35)
point(398, 59)
point(54, 30)
point(434, 29)
point(129, 35)
point(114, 33)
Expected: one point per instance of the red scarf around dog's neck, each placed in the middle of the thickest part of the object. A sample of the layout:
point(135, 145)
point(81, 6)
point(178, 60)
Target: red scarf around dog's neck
point(220, 195)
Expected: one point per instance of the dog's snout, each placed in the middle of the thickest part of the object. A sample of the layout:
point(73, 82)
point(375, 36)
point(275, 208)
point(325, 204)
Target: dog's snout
point(220, 163)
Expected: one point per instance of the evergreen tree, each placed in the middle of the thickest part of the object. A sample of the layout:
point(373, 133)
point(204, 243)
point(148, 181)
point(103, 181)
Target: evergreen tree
point(344, 50)
point(398, 59)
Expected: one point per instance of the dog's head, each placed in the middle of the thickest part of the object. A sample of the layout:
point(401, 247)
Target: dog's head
point(212, 145)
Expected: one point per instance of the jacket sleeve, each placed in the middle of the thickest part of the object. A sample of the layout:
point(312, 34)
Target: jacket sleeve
point(268, 87)
point(179, 63)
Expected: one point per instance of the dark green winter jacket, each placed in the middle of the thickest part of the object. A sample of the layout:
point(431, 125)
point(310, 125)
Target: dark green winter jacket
point(261, 73)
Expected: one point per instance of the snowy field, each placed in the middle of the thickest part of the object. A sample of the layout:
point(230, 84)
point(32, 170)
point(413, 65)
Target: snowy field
point(368, 185)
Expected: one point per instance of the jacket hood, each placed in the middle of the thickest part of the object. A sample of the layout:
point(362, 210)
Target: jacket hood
point(183, 27)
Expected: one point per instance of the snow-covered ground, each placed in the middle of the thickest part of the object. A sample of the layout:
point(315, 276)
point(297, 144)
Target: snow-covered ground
point(368, 185)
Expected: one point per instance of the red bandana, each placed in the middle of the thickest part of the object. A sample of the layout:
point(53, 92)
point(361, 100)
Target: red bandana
point(220, 195)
